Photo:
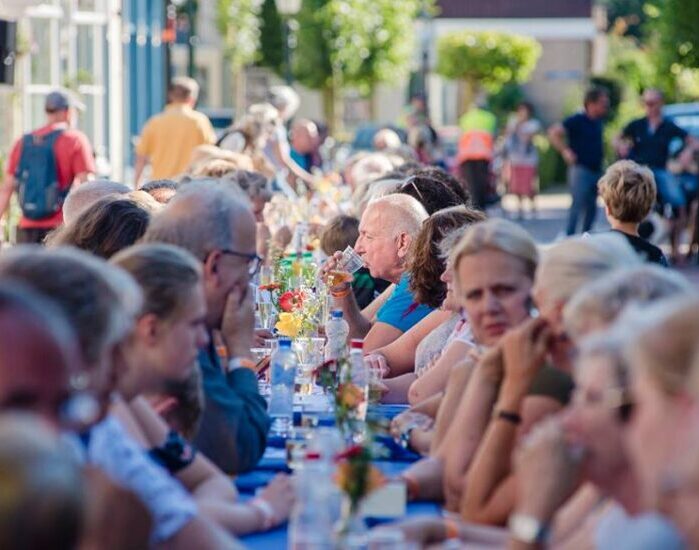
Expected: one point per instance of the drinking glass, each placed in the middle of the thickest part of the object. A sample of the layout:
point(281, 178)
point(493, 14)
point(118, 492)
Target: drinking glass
point(266, 275)
point(296, 445)
point(310, 355)
point(267, 314)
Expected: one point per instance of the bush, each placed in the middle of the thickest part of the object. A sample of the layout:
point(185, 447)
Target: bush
point(552, 167)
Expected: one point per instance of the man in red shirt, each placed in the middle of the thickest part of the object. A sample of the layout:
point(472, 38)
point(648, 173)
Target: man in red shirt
point(74, 159)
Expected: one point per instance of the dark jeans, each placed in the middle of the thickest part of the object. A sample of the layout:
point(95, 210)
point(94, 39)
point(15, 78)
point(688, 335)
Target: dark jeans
point(476, 176)
point(31, 236)
point(583, 188)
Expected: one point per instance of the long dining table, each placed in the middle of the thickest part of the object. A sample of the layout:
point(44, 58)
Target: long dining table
point(274, 461)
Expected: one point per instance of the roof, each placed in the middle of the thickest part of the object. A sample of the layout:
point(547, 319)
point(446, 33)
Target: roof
point(514, 8)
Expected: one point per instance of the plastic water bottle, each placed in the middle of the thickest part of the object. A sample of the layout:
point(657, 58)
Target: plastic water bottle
point(311, 522)
point(336, 331)
point(283, 373)
point(359, 374)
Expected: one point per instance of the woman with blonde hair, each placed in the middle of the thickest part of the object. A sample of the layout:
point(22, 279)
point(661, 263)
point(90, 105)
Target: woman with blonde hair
point(494, 265)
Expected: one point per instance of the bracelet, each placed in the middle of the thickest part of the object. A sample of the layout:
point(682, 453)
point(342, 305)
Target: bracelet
point(412, 486)
point(451, 529)
point(239, 363)
point(265, 510)
point(508, 416)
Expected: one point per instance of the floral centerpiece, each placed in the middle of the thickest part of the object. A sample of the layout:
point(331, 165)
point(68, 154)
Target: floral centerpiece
point(356, 477)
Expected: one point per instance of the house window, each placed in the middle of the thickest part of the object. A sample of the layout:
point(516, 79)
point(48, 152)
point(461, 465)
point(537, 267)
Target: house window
point(68, 49)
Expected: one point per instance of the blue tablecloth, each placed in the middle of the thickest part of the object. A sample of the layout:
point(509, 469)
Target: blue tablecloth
point(274, 462)
point(277, 538)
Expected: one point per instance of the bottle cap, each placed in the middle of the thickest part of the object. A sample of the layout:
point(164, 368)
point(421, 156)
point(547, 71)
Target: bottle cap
point(336, 314)
point(285, 343)
point(356, 343)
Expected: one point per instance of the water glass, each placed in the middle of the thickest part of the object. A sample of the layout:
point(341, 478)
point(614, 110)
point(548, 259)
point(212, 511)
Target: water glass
point(351, 261)
point(310, 355)
point(267, 314)
point(296, 446)
point(266, 275)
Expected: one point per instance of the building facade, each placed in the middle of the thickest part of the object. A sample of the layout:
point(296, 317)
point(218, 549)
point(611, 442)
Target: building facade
point(107, 51)
point(571, 34)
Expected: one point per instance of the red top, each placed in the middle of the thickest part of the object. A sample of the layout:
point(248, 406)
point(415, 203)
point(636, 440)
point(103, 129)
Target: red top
point(74, 156)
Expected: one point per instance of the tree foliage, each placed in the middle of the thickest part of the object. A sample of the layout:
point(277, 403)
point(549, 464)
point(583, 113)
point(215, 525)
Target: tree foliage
point(271, 37)
point(626, 17)
point(239, 25)
point(312, 65)
point(676, 24)
point(487, 59)
point(369, 43)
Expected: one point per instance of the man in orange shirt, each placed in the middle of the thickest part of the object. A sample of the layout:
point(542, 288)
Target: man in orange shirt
point(168, 139)
point(42, 167)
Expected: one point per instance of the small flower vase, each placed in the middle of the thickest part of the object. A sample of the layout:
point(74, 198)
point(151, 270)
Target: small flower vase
point(351, 530)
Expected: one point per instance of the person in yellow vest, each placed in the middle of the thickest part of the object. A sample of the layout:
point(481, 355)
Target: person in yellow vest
point(168, 139)
point(475, 152)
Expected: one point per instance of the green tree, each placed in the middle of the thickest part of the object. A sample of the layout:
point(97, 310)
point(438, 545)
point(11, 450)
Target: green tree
point(239, 26)
point(626, 17)
point(271, 38)
point(353, 44)
point(369, 43)
point(485, 60)
point(311, 61)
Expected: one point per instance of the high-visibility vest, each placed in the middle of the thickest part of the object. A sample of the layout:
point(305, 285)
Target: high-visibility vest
point(476, 143)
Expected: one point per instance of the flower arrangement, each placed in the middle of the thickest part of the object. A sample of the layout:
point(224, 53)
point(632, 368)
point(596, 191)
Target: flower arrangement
point(356, 476)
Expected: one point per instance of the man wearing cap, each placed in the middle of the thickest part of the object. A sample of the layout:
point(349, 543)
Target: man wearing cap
point(168, 139)
point(74, 164)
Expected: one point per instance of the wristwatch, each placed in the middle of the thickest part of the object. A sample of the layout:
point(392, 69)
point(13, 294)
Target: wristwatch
point(528, 529)
point(404, 440)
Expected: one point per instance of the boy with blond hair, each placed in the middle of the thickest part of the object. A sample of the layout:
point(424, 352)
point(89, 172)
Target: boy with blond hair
point(629, 193)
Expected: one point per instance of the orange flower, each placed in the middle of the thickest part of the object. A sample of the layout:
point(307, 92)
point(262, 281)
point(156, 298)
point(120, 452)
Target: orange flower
point(270, 286)
point(350, 395)
point(346, 477)
point(376, 479)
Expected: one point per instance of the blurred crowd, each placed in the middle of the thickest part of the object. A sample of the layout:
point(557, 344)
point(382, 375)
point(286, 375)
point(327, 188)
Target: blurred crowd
point(553, 391)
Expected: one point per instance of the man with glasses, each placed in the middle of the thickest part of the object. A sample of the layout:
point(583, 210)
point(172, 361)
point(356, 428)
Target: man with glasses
point(215, 223)
point(648, 141)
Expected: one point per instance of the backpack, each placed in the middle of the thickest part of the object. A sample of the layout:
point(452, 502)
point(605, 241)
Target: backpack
point(40, 195)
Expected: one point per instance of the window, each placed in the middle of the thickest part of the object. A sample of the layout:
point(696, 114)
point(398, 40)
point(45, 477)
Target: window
point(68, 49)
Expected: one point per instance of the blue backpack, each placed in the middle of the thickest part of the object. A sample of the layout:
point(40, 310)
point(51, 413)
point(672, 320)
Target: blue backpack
point(40, 195)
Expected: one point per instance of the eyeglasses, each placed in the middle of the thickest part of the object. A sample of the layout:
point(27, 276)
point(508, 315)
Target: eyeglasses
point(253, 260)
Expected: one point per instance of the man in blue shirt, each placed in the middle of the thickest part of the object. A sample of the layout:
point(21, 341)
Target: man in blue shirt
point(579, 139)
point(211, 221)
point(387, 229)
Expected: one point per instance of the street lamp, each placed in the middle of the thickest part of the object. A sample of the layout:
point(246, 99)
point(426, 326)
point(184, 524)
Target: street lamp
point(287, 9)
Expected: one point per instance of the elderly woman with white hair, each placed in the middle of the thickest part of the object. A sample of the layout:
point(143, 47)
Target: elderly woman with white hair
point(387, 230)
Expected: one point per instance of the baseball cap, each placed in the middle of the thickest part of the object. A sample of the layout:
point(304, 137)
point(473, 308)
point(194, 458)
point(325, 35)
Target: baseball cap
point(62, 100)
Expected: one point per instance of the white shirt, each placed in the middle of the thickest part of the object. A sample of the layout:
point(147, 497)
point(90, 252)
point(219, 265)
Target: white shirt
point(118, 455)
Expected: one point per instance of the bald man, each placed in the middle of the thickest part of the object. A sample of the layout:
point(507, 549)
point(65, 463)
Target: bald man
point(216, 224)
point(388, 227)
point(83, 196)
point(304, 142)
